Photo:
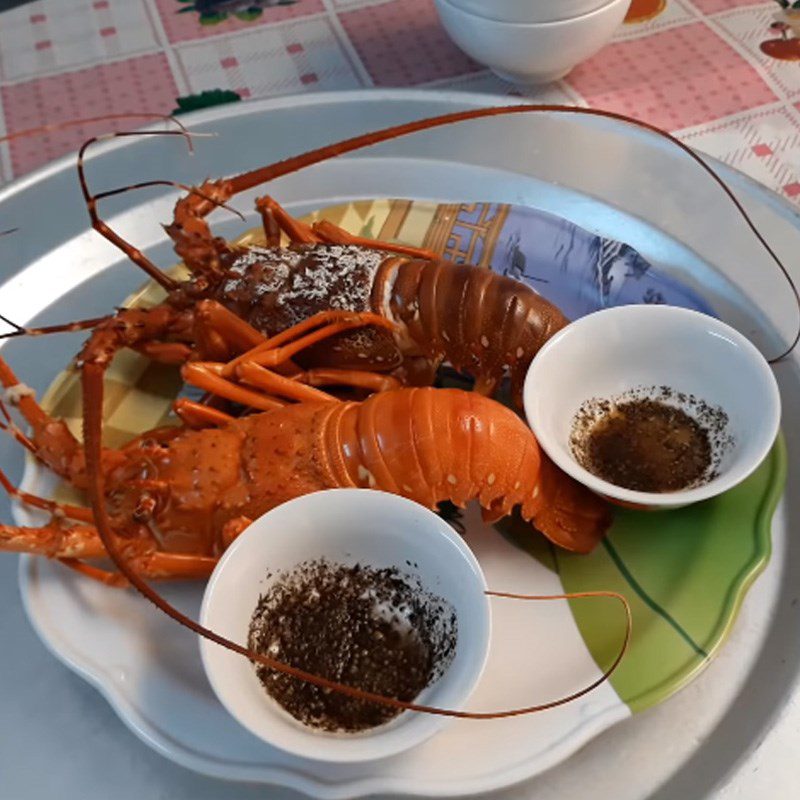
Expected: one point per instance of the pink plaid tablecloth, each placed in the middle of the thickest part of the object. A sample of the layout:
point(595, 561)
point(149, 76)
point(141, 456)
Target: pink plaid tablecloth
point(723, 74)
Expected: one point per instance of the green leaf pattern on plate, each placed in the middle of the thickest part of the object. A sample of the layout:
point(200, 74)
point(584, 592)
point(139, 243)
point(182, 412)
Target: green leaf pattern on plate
point(684, 572)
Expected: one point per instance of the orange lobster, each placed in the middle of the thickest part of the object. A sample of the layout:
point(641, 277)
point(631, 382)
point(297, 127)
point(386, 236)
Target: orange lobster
point(484, 324)
point(178, 496)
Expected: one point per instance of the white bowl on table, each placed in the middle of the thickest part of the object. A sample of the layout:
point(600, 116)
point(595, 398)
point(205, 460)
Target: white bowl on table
point(345, 526)
point(610, 352)
point(534, 52)
point(529, 10)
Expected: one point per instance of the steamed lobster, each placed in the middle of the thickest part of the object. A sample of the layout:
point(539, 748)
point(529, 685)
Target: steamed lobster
point(178, 496)
point(484, 324)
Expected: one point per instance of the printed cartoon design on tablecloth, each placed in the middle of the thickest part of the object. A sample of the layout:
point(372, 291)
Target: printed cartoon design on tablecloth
point(644, 10)
point(213, 11)
point(206, 99)
point(787, 24)
point(579, 271)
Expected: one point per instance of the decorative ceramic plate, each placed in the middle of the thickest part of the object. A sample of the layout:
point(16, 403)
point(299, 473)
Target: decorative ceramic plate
point(684, 572)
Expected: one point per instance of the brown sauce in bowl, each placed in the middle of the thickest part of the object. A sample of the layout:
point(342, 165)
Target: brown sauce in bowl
point(649, 447)
point(646, 444)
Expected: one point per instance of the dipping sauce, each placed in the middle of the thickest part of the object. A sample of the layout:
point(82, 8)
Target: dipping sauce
point(647, 444)
point(375, 629)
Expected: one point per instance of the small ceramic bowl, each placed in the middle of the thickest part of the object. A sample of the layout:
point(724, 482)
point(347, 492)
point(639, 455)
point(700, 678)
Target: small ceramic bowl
point(609, 353)
point(529, 10)
point(346, 526)
point(531, 53)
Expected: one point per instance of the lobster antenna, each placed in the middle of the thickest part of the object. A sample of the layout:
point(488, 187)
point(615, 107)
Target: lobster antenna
point(66, 327)
point(19, 330)
point(138, 258)
point(175, 184)
point(72, 123)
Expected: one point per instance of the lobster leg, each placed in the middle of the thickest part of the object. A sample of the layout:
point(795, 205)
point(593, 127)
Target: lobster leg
point(66, 327)
point(256, 375)
point(78, 513)
point(104, 576)
point(53, 541)
point(207, 376)
point(14, 432)
point(375, 381)
point(276, 352)
point(299, 387)
point(280, 348)
point(51, 442)
point(173, 353)
point(72, 544)
point(195, 415)
point(167, 566)
point(276, 220)
point(217, 330)
point(219, 334)
point(173, 566)
point(333, 234)
point(79, 542)
point(134, 327)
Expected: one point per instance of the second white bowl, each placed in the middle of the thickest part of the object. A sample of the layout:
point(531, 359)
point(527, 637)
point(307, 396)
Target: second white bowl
point(532, 53)
point(345, 526)
point(611, 352)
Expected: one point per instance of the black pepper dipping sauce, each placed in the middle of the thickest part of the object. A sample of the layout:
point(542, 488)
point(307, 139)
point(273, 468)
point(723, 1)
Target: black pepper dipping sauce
point(374, 629)
point(648, 445)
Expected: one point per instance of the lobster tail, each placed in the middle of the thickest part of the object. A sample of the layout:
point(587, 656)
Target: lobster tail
point(433, 445)
point(565, 511)
point(484, 324)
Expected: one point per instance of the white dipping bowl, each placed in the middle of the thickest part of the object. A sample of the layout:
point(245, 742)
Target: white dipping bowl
point(346, 526)
point(531, 53)
point(529, 10)
point(606, 354)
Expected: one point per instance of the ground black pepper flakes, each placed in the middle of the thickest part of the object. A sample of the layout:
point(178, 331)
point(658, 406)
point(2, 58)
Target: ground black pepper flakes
point(651, 439)
point(375, 629)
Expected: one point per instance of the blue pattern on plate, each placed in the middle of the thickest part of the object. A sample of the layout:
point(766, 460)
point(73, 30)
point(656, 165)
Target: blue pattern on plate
point(579, 271)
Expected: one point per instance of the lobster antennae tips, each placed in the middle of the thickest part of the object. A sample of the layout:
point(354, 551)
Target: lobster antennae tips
point(18, 328)
point(202, 134)
point(191, 135)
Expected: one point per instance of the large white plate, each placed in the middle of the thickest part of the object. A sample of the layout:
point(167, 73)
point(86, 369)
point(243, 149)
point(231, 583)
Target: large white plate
point(566, 165)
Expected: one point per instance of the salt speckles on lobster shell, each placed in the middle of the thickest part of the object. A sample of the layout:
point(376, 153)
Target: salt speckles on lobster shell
point(295, 282)
point(274, 288)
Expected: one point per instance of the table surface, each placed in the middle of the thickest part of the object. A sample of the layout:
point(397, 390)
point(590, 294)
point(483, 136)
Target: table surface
point(717, 72)
point(696, 68)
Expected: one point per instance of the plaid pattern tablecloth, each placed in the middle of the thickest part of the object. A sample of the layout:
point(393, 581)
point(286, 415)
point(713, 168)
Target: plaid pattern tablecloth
point(723, 74)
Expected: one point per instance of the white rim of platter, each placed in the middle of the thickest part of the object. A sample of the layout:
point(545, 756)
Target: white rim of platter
point(661, 204)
